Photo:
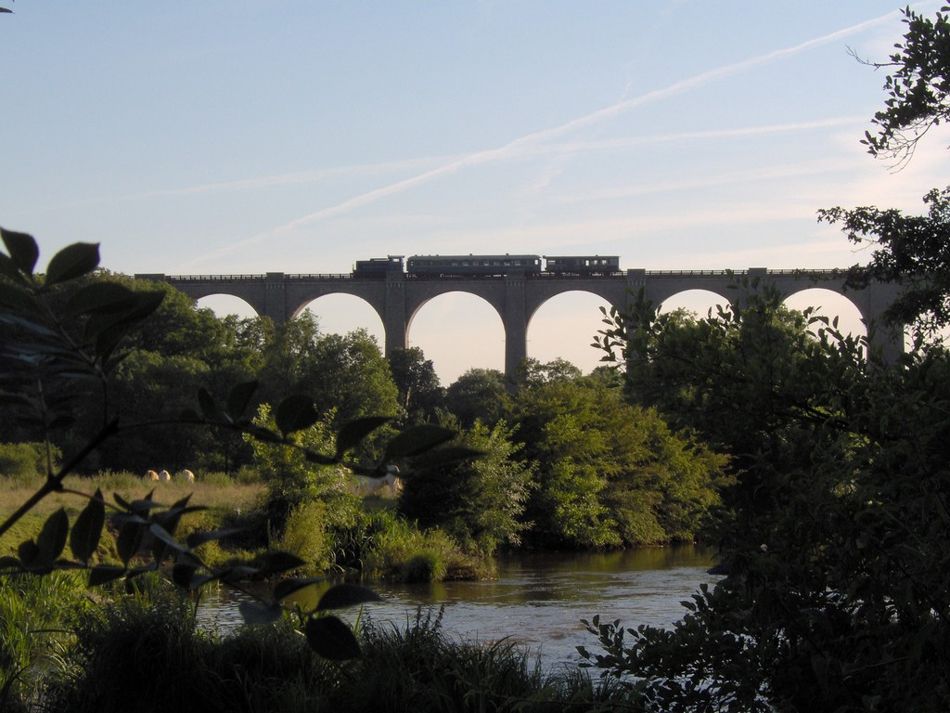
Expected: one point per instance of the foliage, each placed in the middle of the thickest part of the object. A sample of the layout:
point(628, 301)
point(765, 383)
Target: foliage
point(402, 552)
point(908, 250)
point(917, 87)
point(147, 655)
point(35, 615)
point(62, 344)
point(420, 393)
point(26, 460)
point(479, 394)
point(292, 480)
point(536, 373)
point(343, 373)
point(911, 250)
point(836, 536)
point(837, 597)
point(608, 473)
point(479, 502)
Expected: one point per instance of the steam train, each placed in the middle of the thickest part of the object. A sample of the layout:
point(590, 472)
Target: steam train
point(487, 265)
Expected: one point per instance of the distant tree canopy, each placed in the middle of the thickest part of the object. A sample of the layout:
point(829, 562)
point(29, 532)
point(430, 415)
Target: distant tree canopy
point(180, 349)
point(420, 393)
point(479, 394)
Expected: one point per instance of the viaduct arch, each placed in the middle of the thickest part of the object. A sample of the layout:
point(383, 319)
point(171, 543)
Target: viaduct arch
point(516, 298)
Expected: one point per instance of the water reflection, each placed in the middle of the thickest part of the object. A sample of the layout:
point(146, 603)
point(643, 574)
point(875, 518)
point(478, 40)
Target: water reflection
point(537, 599)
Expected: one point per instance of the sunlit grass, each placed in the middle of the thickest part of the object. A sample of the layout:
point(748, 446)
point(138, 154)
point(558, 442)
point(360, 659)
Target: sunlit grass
point(217, 492)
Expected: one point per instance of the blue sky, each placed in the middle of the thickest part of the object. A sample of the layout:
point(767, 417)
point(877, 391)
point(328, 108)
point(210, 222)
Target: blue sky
point(238, 137)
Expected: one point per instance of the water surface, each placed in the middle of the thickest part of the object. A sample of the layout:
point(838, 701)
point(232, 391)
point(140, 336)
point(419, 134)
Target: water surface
point(537, 599)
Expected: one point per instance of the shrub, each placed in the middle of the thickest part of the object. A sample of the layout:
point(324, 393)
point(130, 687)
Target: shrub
point(34, 615)
point(400, 551)
point(305, 535)
point(24, 461)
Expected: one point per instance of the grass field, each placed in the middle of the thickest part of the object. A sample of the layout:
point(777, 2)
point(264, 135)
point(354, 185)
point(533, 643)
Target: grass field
point(216, 491)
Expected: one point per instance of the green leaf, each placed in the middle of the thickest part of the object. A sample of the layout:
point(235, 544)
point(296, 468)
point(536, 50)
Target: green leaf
point(108, 336)
point(100, 574)
point(102, 297)
point(346, 595)
point(238, 573)
point(448, 455)
point(9, 269)
point(277, 561)
point(84, 537)
point(355, 431)
point(7, 561)
point(294, 413)
point(331, 638)
point(22, 248)
point(254, 613)
point(288, 586)
point(16, 298)
point(239, 397)
point(52, 538)
point(208, 407)
point(161, 534)
point(182, 574)
point(71, 262)
point(199, 538)
point(314, 457)
point(27, 552)
point(417, 439)
point(129, 540)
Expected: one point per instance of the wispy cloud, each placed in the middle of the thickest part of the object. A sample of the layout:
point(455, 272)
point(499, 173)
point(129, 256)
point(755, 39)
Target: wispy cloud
point(525, 144)
point(823, 167)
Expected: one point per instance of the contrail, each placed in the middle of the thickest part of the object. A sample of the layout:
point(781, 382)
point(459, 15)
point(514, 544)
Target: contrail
point(522, 144)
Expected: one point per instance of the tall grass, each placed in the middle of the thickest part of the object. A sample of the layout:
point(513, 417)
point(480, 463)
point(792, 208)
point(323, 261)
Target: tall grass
point(400, 551)
point(36, 616)
point(145, 654)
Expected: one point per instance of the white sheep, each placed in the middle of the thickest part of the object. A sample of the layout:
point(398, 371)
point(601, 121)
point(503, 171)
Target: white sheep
point(164, 475)
point(185, 475)
point(151, 475)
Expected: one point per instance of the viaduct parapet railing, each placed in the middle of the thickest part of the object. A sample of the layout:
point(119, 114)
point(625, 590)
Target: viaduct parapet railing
point(397, 296)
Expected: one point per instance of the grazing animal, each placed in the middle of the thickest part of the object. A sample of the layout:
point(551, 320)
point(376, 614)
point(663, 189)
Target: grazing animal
point(164, 475)
point(371, 486)
point(151, 475)
point(185, 475)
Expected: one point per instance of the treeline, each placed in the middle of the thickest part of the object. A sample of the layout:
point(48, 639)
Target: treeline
point(568, 462)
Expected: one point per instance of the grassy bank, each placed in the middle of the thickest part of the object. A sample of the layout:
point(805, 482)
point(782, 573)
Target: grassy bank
point(145, 654)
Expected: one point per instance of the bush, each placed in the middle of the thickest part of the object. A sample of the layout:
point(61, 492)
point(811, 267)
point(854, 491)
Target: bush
point(400, 551)
point(34, 615)
point(23, 461)
point(305, 535)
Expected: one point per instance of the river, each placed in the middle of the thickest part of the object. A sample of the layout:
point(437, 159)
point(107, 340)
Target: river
point(537, 599)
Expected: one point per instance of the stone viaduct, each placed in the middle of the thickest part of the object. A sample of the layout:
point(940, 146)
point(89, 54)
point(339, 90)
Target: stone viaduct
point(399, 296)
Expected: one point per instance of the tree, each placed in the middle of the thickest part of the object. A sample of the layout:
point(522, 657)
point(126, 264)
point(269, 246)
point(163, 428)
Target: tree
point(343, 373)
point(610, 474)
point(535, 373)
point(420, 393)
point(479, 502)
point(917, 88)
point(910, 250)
point(837, 595)
point(478, 394)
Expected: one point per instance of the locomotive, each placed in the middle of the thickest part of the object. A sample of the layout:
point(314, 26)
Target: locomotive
point(486, 265)
point(378, 267)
